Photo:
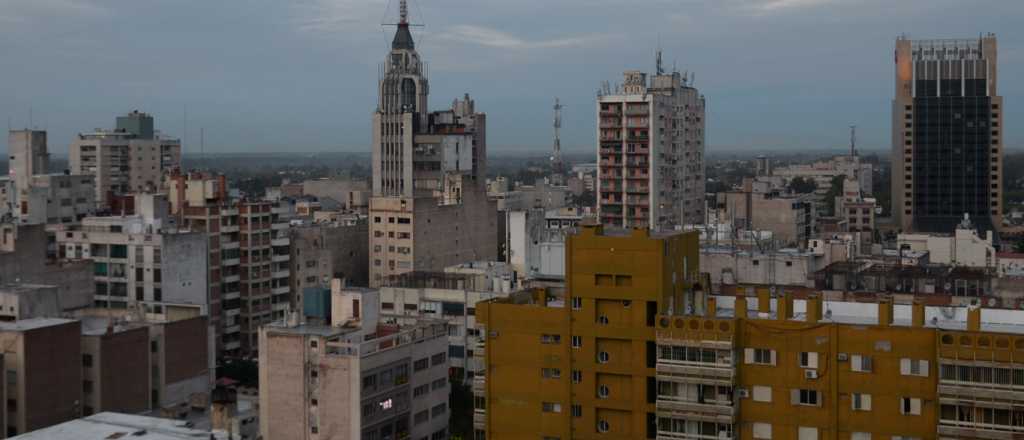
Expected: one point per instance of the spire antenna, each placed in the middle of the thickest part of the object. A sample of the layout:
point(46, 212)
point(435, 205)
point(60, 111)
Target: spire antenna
point(403, 12)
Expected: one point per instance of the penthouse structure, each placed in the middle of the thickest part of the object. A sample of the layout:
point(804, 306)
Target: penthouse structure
point(651, 152)
point(947, 143)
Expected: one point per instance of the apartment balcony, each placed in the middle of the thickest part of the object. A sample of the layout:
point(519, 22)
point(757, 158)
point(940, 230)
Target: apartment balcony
point(230, 295)
point(479, 419)
point(668, 435)
point(230, 278)
point(638, 190)
point(232, 312)
point(611, 152)
point(280, 274)
point(951, 392)
point(233, 345)
point(610, 139)
point(232, 329)
point(228, 228)
point(640, 176)
point(971, 430)
point(280, 258)
point(643, 151)
point(611, 123)
point(721, 375)
point(281, 290)
point(280, 241)
point(230, 245)
point(607, 202)
point(280, 307)
point(479, 385)
point(637, 111)
point(613, 112)
point(230, 262)
point(721, 412)
point(229, 212)
point(279, 226)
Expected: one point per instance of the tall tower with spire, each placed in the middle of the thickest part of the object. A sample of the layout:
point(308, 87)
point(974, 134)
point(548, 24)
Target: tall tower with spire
point(429, 208)
point(557, 166)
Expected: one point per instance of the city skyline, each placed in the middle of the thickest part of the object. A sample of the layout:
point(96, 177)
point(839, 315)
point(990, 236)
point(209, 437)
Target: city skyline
point(277, 77)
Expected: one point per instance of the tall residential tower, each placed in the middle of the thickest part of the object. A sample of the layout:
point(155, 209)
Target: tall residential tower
point(651, 152)
point(429, 208)
point(946, 135)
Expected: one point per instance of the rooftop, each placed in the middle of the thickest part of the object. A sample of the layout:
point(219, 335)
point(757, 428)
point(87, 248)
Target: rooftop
point(109, 425)
point(32, 324)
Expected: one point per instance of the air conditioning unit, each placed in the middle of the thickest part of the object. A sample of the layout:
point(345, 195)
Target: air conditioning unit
point(742, 393)
point(810, 374)
point(843, 357)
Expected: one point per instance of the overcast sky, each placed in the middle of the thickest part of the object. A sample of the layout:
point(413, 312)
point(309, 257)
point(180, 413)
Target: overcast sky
point(300, 75)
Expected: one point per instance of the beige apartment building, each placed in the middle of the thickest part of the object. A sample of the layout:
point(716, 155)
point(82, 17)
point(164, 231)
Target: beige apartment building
point(947, 142)
point(249, 257)
point(32, 195)
point(358, 378)
point(429, 207)
point(651, 152)
point(131, 158)
point(791, 219)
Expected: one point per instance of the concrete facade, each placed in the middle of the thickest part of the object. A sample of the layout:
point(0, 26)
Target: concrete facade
point(535, 241)
point(24, 260)
point(124, 160)
point(334, 382)
point(38, 196)
point(429, 207)
point(651, 152)
point(963, 248)
point(42, 364)
point(791, 219)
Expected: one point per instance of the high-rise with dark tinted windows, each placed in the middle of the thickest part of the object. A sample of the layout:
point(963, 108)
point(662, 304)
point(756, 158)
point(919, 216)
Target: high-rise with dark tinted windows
point(946, 135)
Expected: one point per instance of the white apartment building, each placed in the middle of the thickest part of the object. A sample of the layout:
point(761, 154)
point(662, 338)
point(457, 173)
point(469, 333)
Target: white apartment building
point(962, 248)
point(535, 241)
point(651, 152)
point(131, 158)
point(142, 261)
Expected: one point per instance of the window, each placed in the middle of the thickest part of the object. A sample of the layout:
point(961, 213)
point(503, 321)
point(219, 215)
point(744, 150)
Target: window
point(602, 426)
point(577, 411)
point(421, 390)
point(910, 406)
point(87, 360)
point(762, 430)
point(456, 351)
point(808, 359)
point(550, 339)
point(577, 303)
point(914, 367)
point(86, 386)
point(860, 402)
point(439, 383)
point(860, 363)
point(762, 356)
point(421, 417)
point(805, 397)
point(577, 341)
point(807, 433)
point(860, 436)
point(550, 407)
point(603, 391)
point(577, 376)
point(603, 357)
point(420, 365)
point(438, 410)
point(370, 382)
point(437, 359)
point(550, 373)
point(762, 393)
point(603, 320)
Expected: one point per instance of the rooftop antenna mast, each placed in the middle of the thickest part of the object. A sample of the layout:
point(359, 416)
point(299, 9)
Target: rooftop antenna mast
point(556, 153)
point(403, 16)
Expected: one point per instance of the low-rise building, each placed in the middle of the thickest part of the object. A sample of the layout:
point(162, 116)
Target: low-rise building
point(963, 248)
point(111, 425)
point(42, 364)
point(790, 218)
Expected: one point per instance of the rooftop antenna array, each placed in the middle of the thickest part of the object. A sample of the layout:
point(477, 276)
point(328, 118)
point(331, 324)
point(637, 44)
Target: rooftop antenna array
point(556, 153)
point(853, 140)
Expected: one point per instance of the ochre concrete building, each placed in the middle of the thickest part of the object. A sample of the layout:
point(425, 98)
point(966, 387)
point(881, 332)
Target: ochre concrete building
point(628, 353)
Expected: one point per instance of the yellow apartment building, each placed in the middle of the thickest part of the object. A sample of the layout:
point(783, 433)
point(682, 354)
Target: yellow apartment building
point(634, 350)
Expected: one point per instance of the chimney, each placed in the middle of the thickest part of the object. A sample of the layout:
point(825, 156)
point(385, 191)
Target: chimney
point(764, 302)
point(740, 307)
point(712, 307)
point(785, 307)
point(917, 313)
point(974, 317)
point(885, 312)
point(813, 309)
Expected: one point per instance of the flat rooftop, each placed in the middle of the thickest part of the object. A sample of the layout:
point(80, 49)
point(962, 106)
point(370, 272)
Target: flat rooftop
point(109, 425)
point(32, 324)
